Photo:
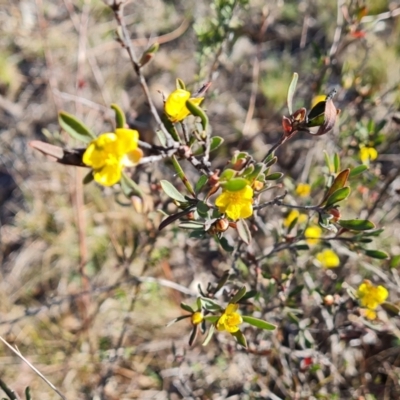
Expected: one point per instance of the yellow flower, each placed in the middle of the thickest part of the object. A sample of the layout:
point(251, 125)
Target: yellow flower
point(303, 189)
point(328, 258)
point(197, 317)
point(368, 154)
point(110, 152)
point(230, 319)
point(371, 297)
point(312, 234)
point(292, 216)
point(235, 205)
point(175, 105)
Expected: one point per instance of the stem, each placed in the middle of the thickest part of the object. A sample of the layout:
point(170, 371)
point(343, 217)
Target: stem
point(182, 175)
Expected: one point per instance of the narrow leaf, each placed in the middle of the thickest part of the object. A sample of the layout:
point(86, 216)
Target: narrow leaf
point(273, 177)
point(240, 338)
point(120, 120)
point(171, 191)
point(339, 182)
point(212, 318)
point(291, 91)
point(209, 335)
point(186, 307)
point(174, 217)
point(380, 255)
point(356, 224)
point(198, 112)
point(176, 320)
point(358, 170)
point(337, 196)
point(88, 178)
point(77, 129)
point(193, 335)
point(243, 231)
point(259, 323)
point(336, 162)
point(216, 141)
point(129, 186)
point(236, 298)
point(200, 183)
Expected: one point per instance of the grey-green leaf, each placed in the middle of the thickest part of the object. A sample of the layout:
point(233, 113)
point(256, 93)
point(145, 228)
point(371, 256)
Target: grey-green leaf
point(259, 323)
point(75, 128)
point(171, 191)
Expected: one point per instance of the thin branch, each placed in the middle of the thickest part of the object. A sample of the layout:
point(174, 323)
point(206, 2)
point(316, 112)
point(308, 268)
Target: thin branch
point(34, 369)
point(117, 7)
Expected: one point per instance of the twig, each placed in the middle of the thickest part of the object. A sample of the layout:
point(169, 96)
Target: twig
point(34, 369)
point(117, 7)
point(338, 30)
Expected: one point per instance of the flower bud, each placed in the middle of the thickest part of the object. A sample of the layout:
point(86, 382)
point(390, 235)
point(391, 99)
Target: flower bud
point(197, 318)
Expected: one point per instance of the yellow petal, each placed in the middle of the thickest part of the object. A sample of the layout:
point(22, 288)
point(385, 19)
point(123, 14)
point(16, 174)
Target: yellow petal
point(127, 139)
point(175, 105)
point(132, 158)
point(109, 175)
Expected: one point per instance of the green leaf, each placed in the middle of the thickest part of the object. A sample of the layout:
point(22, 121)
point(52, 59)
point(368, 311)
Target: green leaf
point(216, 141)
point(210, 305)
point(339, 182)
point(129, 186)
point(177, 319)
point(88, 178)
point(374, 233)
point(301, 247)
point(120, 120)
point(202, 209)
point(243, 231)
point(171, 191)
point(337, 196)
point(225, 245)
point(259, 323)
point(240, 339)
point(28, 393)
point(291, 91)
point(240, 293)
point(212, 318)
point(198, 112)
point(224, 278)
point(356, 224)
point(193, 335)
point(271, 160)
point(336, 162)
point(380, 255)
point(395, 261)
point(235, 184)
point(186, 307)
point(327, 161)
point(200, 183)
point(191, 225)
point(197, 234)
point(209, 335)
point(174, 217)
point(75, 128)
point(227, 174)
point(249, 295)
point(180, 84)
point(358, 170)
point(391, 308)
point(273, 177)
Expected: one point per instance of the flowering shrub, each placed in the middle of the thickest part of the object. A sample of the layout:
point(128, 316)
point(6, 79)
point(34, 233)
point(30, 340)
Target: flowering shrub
point(272, 232)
